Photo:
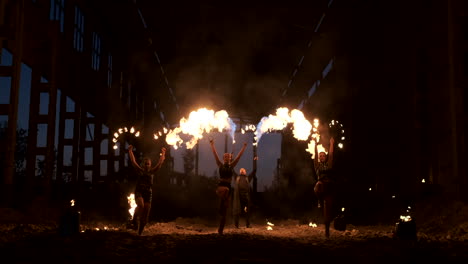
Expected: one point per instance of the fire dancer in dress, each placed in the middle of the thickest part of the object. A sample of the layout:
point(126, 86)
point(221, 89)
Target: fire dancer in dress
point(324, 189)
point(226, 171)
point(242, 196)
point(144, 188)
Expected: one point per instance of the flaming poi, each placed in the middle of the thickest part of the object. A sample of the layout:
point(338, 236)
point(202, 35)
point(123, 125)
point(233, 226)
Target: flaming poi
point(248, 128)
point(159, 134)
point(124, 131)
point(337, 131)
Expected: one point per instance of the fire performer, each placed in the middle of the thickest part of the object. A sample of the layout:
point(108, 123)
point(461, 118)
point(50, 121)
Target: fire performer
point(223, 191)
point(144, 188)
point(242, 196)
point(324, 189)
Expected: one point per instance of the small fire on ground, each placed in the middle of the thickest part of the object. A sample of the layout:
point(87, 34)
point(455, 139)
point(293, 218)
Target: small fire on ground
point(132, 203)
point(270, 226)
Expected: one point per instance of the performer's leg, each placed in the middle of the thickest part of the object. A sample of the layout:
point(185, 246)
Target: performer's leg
point(319, 190)
point(144, 217)
point(223, 194)
point(328, 213)
point(138, 211)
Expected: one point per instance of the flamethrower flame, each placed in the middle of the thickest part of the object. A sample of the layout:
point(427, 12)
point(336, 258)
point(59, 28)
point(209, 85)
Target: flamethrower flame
point(311, 224)
point(301, 126)
point(132, 203)
point(72, 203)
point(200, 122)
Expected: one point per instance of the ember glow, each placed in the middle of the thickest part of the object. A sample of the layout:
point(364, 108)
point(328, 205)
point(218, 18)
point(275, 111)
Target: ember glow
point(132, 203)
point(311, 224)
point(72, 203)
point(197, 124)
point(405, 218)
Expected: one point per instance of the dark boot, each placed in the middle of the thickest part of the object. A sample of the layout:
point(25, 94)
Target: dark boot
point(221, 225)
point(236, 221)
point(327, 230)
point(140, 228)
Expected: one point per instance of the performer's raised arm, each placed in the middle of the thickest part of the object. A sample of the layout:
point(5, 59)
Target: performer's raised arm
point(162, 157)
point(132, 158)
point(316, 154)
point(213, 149)
point(254, 171)
point(236, 160)
point(330, 152)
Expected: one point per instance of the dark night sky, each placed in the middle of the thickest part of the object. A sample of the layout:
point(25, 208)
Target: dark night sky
point(229, 55)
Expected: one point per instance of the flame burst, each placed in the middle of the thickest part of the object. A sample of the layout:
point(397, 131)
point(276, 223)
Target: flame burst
point(200, 122)
point(301, 126)
point(132, 203)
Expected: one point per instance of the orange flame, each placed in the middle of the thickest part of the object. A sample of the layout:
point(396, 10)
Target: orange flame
point(200, 122)
point(132, 203)
point(301, 126)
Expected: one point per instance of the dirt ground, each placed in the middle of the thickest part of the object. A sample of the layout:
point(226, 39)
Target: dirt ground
point(37, 237)
point(196, 241)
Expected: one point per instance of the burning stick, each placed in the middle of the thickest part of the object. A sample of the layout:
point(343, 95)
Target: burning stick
point(315, 137)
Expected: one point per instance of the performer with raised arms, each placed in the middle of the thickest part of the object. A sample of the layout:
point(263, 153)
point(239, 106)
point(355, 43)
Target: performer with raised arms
point(144, 187)
point(226, 171)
